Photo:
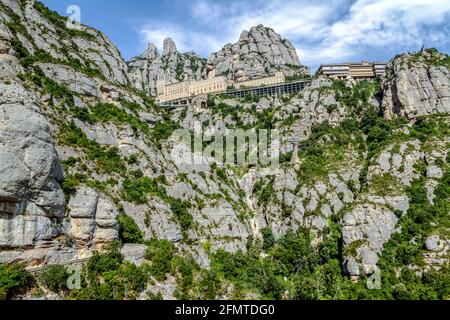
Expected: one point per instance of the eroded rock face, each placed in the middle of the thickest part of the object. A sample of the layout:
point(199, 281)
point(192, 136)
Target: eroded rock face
point(373, 220)
point(417, 85)
point(171, 66)
point(259, 52)
point(76, 81)
point(226, 206)
point(368, 228)
point(31, 198)
point(93, 218)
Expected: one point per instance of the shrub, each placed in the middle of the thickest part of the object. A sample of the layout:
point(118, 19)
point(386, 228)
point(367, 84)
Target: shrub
point(210, 102)
point(70, 184)
point(108, 277)
point(160, 253)
point(179, 208)
point(163, 130)
point(14, 279)
point(60, 23)
point(84, 115)
point(107, 159)
point(129, 231)
point(137, 190)
point(54, 278)
point(268, 238)
point(100, 263)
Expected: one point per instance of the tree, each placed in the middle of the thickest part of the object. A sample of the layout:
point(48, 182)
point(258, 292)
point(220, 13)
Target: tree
point(129, 231)
point(268, 239)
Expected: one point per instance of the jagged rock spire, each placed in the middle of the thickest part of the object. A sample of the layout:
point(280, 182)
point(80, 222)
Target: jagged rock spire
point(169, 47)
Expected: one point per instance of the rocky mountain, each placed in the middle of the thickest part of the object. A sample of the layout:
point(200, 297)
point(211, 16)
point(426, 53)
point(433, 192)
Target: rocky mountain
point(48, 71)
point(258, 53)
point(172, 66)
point(417, 85)
point(88, 160)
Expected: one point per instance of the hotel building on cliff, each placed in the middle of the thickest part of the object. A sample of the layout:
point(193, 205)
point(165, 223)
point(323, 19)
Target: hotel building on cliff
point(186, 89)
point(356, 71)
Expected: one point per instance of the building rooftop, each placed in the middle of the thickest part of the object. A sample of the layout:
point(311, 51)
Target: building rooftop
point(351, 63)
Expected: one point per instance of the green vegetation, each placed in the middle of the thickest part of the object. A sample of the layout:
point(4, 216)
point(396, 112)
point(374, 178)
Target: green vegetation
point(107, 112)
point(407, 247)
point(16, 26)
point(268, 239)
point(14, 279)
point(180, 72)
point(366, 131)
point(264, 118)
point(160, 254)
point(251, 98)
point(293, 269)
point(298, 76)
point(60, 23)
point(164, 129)
point(271, 268)
point(54, 278)
point(264, 192)
point(106, 276)
point(326, 148)
point(180, 209)
point(433, 58)
point(357, 97)
point(287, 271)
point(27, 60)
point(107, 159)
point(137, 191)
point(385, 185)
point(210, 102)
point(48, 85)
point(129, 231)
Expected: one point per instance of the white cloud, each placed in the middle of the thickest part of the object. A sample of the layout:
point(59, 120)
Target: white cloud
point(185, 40)
point(329, 30)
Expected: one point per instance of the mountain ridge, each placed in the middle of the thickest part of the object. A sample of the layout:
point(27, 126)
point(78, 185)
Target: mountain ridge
point(260, 52)
point(87, 167)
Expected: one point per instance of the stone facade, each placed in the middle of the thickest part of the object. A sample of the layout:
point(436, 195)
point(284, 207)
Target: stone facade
point(356, 71)
point(278, 77)
point(187, 89)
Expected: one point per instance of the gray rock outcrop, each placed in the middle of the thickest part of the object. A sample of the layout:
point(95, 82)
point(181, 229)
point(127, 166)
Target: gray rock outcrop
point(259, 52)
point(417, 84)
point(124, 155)
point(171, 66)
point(31, 198)
point(93, 218)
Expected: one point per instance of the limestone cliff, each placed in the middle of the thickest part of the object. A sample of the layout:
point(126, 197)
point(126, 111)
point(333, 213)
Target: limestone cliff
point(87, 159)
point(171, 66)
point(42, 64)
point(258, 53)
point(417, 84)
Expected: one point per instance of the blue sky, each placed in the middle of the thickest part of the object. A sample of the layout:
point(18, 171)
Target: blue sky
point(321, 31)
